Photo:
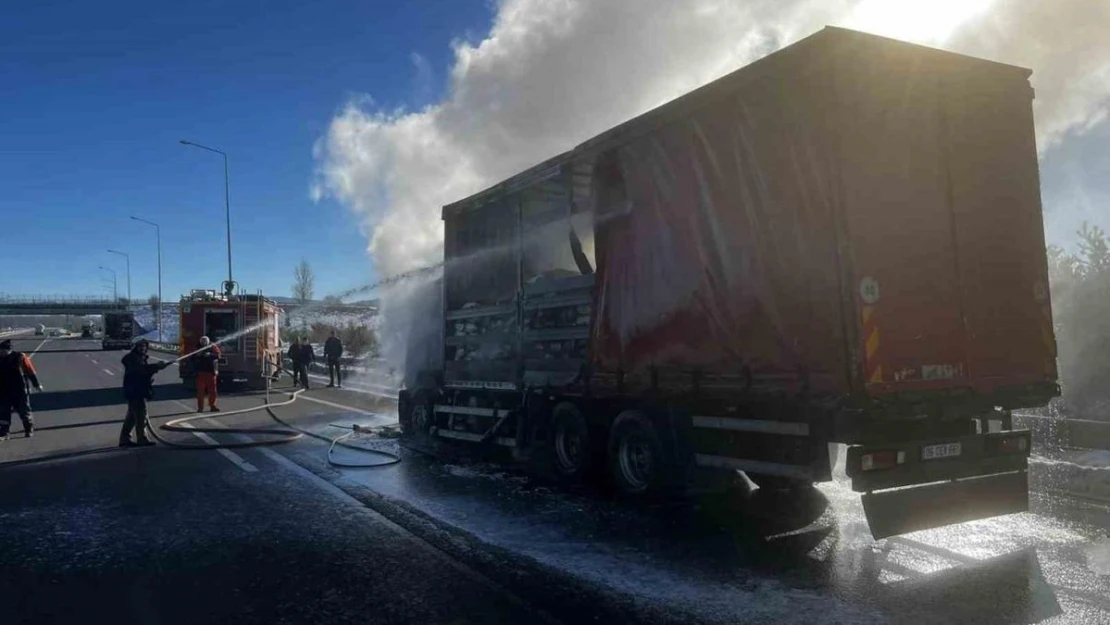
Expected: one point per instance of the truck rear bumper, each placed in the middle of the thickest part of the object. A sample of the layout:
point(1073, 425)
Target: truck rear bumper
point(917, 485)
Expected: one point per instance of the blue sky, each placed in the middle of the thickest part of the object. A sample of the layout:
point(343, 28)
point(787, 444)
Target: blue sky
point(98, 94)
point(96, 97)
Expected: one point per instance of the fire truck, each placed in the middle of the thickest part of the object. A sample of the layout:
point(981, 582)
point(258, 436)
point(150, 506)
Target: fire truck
point(243, 359)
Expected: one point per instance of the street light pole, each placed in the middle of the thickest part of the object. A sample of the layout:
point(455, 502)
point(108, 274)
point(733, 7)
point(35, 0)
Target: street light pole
point(128, 258)
point(227, 202)
point(115, 292)
point(158, 235)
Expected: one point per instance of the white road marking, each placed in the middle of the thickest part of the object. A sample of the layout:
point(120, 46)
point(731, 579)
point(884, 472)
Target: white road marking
point(44, 342)
point(94, 361)
point(341, 406)
point(108, 372)
point(235, 458)
point(364, 388)
point(226, 453)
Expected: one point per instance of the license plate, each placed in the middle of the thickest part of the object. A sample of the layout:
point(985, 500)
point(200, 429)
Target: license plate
point(944, 450)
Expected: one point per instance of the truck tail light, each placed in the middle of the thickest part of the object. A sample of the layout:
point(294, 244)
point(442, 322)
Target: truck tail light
point(1013, 444)
point(881, 460)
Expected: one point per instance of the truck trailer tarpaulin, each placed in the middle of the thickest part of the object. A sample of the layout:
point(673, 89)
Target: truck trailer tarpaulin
point(840, 243)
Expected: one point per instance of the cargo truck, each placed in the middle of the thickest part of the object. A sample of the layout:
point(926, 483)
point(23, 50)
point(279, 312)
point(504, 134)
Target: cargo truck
point(119, 330)
point(840, 244)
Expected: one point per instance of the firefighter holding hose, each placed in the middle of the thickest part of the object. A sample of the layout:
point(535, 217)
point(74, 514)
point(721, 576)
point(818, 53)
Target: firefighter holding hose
point(206, 365)
point(138, 387)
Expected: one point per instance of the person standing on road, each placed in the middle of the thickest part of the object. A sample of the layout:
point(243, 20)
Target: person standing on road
point(16, 374)
point(305, 357)
point(206, 364)
point(294, 355)
point(333, 349)
point(138, 387)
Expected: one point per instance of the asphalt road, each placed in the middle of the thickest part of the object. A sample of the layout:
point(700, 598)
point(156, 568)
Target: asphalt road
point(162, 536)
point(279, 535)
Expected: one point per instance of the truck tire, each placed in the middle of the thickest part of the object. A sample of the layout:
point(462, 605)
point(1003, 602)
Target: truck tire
point(569, 445)
point(637, 464)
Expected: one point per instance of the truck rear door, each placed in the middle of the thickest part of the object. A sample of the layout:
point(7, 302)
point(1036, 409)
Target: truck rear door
point(946, 236)
point(904, 251)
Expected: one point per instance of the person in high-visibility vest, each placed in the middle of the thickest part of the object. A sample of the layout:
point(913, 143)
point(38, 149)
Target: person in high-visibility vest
point(206, 366)
point(16, 374)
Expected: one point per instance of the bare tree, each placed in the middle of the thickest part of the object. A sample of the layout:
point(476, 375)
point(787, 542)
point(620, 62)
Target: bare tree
point(304, 282)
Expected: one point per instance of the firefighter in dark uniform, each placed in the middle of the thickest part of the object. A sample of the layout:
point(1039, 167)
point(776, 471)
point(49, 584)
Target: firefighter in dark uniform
point(16, 374)
point(333, 350)
point(138, 387)
point(304, 359)
point(294, 354)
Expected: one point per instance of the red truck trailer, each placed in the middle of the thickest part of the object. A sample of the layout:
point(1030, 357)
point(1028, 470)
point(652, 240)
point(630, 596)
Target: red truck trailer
point(840, 243)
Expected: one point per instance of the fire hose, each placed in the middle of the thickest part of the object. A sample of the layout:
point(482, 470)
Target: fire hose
point(286, 434)
point(277, 436)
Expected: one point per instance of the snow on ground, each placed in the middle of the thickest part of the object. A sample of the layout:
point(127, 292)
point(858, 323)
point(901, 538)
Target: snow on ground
point(321, 314)
point(144, 316)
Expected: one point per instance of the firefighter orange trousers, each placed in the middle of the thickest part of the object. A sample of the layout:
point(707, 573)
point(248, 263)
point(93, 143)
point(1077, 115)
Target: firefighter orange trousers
point(206, 386)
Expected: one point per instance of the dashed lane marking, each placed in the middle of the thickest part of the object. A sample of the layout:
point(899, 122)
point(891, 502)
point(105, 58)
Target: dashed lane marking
point(108, 372)
point(235, 458)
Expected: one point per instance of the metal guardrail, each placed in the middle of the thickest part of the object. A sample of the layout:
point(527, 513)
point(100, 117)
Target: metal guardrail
point(1066, 433)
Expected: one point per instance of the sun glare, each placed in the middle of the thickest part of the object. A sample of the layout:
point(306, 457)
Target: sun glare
point(920, 21)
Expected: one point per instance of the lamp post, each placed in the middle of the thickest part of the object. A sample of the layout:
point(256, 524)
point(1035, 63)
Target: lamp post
point(227, 202)
point(115, 292)
point(128, 259)
point(158, 235)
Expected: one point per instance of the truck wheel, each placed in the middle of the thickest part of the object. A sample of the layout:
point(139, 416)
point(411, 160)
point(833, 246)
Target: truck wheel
point(569, 445)
point(636, 461)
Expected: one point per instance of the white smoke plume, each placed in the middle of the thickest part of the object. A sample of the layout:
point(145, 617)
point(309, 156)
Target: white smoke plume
point(551, 73)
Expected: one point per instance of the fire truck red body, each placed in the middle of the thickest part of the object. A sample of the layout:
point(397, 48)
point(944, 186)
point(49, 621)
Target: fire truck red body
point(246, 359)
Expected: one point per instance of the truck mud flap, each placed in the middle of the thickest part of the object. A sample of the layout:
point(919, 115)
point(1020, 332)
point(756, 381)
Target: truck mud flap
point(899, 511)
point(922, 484)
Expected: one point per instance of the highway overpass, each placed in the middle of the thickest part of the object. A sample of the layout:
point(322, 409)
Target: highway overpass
point(47, 305)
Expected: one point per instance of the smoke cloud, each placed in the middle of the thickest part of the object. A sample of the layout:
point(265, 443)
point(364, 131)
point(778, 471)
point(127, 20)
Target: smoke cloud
point(551, 73)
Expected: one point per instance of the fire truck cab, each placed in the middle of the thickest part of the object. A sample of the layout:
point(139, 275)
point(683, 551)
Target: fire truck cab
point(245, 359)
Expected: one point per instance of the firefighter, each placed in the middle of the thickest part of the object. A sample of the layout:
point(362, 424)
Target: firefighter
point(206, 365)
point(138, 387)
point(305, 357)
point(294, 355)
point(16, 373)
point(333, 349)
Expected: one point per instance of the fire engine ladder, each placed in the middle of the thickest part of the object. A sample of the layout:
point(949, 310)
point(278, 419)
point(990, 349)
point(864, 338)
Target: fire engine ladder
point(251, 316)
